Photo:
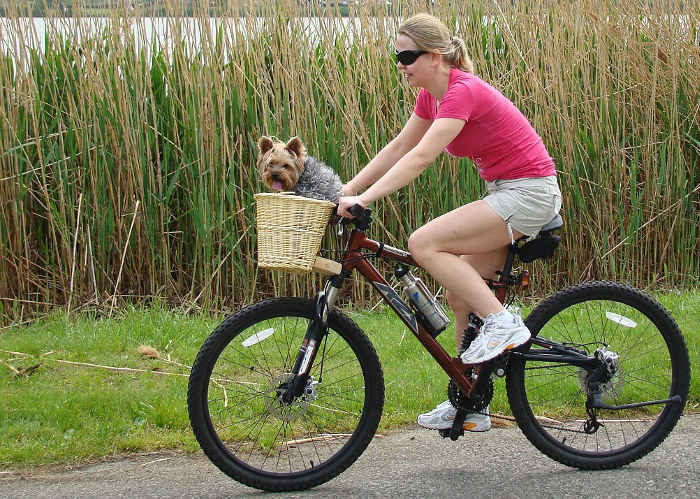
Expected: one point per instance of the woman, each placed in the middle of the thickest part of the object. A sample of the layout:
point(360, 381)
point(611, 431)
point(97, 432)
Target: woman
point(458, 112)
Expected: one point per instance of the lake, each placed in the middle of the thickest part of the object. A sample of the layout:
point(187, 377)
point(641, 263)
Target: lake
point(18, 34)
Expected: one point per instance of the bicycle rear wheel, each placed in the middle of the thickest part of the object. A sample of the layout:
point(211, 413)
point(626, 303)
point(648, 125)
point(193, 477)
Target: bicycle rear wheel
point(548, 400)
point(235, 397)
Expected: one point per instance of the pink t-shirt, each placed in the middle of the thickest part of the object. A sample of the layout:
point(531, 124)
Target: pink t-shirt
point(496, 135)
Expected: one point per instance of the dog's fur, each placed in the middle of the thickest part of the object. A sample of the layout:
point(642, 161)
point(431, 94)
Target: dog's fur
point(287, 167)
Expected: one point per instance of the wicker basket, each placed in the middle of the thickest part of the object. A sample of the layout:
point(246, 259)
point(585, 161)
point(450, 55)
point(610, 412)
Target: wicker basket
point(290, 229)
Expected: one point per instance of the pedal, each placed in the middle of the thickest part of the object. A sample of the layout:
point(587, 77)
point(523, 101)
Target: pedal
point(444, 433)
point(457, 429)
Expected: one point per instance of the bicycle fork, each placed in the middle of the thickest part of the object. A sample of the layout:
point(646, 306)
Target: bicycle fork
point(315, 333)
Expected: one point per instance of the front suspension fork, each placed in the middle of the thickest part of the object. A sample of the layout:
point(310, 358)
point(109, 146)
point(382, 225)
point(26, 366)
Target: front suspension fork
point(315, 332)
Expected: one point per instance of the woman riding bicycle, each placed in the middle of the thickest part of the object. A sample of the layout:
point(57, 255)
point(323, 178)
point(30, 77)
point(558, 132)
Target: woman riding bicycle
point(458, 112)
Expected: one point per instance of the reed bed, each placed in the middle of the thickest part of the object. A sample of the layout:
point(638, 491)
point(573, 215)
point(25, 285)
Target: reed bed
point(127, 165)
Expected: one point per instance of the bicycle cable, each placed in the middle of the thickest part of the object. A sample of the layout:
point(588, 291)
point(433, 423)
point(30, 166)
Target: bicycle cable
point(511, 419)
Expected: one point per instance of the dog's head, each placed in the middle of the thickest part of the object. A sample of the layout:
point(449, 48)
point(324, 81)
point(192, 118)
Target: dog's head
point(280, 165)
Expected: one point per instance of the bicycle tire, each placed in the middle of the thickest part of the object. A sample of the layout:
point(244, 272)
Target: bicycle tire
point(660, 372)
point(245, 359)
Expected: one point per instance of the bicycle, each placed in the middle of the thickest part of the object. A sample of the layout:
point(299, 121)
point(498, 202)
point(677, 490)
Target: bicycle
point(288, 392)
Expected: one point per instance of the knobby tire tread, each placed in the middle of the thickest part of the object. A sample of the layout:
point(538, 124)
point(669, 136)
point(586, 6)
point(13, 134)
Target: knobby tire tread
point(218, 340)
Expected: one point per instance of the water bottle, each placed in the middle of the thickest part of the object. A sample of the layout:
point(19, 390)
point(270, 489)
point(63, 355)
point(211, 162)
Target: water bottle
point(423, 301)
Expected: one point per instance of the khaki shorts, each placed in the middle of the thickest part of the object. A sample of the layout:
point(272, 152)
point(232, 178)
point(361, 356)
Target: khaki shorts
point(525, 204)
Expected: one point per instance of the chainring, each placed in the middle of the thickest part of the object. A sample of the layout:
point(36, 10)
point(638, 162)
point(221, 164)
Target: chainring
point(460, 401)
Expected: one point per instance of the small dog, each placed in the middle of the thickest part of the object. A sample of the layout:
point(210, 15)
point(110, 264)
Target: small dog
point(286, 167)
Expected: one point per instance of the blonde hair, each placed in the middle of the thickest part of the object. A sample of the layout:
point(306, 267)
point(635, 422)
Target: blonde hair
point(430, 33)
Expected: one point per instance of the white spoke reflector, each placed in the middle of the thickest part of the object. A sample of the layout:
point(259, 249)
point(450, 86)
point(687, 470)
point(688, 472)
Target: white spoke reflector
point(257, 337)
point(620, 319)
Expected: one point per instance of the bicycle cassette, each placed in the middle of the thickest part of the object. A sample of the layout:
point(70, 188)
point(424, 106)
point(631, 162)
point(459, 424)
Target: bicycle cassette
point(609, 389)
point(461, 401)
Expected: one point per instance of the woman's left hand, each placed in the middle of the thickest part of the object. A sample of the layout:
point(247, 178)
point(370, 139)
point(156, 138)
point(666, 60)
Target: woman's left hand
point(347, 202)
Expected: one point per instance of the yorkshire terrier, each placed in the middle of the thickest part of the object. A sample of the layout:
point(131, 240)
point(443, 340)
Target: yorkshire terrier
point(287, 167)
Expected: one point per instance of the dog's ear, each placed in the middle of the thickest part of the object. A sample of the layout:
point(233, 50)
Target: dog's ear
point(265, 144)
point(294, 145)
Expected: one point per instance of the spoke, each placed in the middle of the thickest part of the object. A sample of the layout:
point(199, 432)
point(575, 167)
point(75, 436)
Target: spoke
point(335, 410)
point(341, 397)
point(272, 446)
point(665, 386)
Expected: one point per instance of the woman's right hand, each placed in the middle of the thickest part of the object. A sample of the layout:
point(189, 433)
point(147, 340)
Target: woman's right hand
point(347, 202)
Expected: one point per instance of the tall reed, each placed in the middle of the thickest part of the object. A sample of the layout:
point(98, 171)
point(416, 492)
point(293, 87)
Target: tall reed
point(127, 168)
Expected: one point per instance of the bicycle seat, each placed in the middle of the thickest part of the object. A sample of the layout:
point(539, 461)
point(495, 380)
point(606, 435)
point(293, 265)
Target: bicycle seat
point(544, 244)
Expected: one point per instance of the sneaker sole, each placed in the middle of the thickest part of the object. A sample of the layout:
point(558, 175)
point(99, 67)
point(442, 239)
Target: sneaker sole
point(433, 427)
point(473, 427)
point(513, 343)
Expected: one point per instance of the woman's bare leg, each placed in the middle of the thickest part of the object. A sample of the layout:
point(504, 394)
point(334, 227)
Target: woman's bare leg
point(473, 229)
point(486, 265)
point(437, 246)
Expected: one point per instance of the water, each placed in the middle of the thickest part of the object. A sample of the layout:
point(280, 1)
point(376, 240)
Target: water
point(18, 35)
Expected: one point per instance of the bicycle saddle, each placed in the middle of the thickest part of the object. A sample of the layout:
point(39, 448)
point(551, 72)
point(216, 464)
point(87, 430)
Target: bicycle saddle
point(544, 244)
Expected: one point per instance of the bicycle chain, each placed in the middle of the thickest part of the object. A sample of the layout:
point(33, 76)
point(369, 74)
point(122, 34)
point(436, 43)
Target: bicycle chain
point(459, 402)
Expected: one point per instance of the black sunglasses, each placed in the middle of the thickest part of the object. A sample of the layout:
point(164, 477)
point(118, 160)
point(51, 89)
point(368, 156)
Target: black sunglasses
point(408, 57)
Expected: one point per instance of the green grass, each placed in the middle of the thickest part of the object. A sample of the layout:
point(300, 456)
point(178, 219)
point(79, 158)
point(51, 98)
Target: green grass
point(66, 413)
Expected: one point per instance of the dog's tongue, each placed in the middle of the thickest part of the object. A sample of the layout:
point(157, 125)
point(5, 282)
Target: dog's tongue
point(276, 186)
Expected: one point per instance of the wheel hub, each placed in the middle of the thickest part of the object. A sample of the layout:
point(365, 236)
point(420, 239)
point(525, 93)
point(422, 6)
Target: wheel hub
point(608, 379)
point(274, 401)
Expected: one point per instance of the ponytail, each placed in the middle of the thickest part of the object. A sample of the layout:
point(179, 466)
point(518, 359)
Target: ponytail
point(457, 55)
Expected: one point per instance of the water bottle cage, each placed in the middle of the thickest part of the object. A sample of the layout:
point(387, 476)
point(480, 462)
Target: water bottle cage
point(471, 331)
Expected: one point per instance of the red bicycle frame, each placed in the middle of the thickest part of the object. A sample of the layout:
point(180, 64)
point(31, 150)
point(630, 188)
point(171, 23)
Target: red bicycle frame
point(354, 259)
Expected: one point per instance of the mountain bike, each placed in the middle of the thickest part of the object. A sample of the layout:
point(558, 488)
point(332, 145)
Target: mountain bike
point(288, 392)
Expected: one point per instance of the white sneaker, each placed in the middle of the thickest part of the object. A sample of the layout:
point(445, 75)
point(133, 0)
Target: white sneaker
point(499, 333)
point(443, 415)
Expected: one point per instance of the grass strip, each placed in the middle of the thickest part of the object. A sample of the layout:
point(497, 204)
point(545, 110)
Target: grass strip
point(88, 393)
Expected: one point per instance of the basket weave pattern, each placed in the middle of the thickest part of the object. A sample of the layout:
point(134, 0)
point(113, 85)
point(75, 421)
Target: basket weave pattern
point(290, 229)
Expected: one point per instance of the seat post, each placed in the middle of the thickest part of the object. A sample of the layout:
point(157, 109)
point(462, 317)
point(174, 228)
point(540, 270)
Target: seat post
point(508, 266)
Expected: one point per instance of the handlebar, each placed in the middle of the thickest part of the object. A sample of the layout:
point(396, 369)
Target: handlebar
point(362, 217)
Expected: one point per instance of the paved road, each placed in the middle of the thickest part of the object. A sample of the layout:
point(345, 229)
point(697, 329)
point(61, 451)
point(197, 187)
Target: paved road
point(408, 463)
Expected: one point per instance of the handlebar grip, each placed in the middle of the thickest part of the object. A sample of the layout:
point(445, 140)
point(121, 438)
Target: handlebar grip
point(363, 216)
point(358, 210)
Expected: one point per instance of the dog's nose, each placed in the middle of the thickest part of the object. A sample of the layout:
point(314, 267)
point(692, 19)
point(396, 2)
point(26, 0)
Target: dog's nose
point(275, 176)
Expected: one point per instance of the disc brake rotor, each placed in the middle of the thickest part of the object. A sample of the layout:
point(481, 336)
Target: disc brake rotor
point(274, 394)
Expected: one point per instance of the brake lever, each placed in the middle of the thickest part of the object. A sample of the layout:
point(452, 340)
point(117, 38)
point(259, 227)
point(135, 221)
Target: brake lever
point(342, 222)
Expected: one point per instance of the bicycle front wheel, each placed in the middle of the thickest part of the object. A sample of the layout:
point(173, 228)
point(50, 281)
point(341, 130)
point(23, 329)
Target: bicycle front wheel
point(548, 399)
point(236, 408)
